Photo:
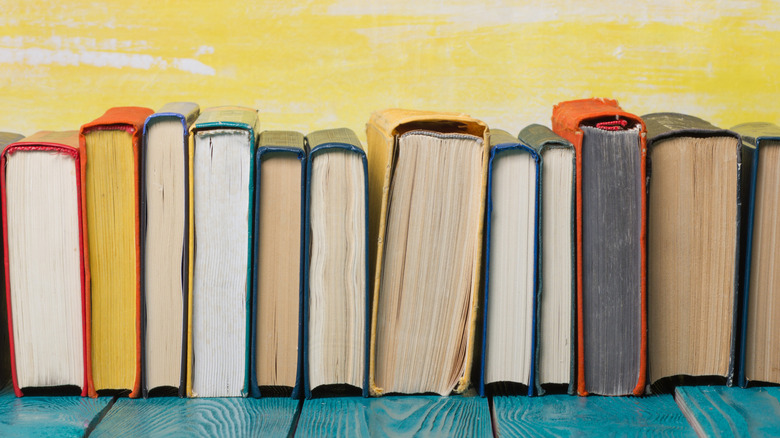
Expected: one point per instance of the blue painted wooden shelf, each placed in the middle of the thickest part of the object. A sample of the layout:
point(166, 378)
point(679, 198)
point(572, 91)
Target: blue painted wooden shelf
point(709, 411)
point(47, 416)
point(718, 411)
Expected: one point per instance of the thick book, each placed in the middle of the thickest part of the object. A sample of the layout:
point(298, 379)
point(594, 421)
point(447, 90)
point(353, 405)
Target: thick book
point(110, 152)
point(44, 267)
point(164, 238)
point(279, 265)
point(427, 182)
point(760, 305)
point(693, 233)
point(336, 312)
point(556, 320)
point(610, 150)
point(511, 266)
point(222, 151)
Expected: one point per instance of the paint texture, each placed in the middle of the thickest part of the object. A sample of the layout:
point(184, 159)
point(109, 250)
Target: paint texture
point(324, 63)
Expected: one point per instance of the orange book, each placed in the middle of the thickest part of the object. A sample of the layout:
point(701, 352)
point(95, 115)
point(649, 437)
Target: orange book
point(611, 223)
point(109, 147)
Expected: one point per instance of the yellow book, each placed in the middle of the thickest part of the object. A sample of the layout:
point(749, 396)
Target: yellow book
point(109, 148)
point(430, 171)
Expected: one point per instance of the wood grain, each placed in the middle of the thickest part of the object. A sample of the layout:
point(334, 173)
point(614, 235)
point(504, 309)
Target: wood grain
point(395, 416)
point(47, 416)
point(565, 415)
point(719, 411)
point(207, 417)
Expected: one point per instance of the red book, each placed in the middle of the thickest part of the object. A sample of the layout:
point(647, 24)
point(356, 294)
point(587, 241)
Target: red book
point(43, 260)
point(611, 182)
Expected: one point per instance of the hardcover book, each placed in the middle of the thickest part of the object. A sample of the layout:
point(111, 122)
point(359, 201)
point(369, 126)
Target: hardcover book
point(511, 266)
point(428, 175)
point(609, 145)
point(692, 249)
point(221, 156)
point(557, 297)
point(44, 269)
point(278, 291)
point(164, 235)
point(110, 152)
point(336, 312)
point(760, 306)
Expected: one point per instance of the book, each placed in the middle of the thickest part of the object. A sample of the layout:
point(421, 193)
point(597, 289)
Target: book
point(279, 265)
point(511, 265)
point(760, 308)
point(222, 151)
point(428, 175)
point(609, 145)
point(693, 237)
point(44, 270)
point(557, 297)
point(164, 238)
point(336, 312)
point(110, 151)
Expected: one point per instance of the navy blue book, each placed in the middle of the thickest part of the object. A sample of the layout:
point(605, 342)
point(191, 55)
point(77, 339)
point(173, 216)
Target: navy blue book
point(336, 312)
point(511, 266)
point(759, 360)
point(276, 344)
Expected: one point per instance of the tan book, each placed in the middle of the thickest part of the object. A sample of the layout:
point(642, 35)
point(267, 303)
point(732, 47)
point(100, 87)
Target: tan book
point(430, 172)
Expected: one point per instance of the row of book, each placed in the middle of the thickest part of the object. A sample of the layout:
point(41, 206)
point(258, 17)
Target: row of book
point(188, 253)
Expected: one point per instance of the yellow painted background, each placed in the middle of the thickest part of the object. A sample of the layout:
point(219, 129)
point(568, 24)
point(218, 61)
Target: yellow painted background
point(328, 63)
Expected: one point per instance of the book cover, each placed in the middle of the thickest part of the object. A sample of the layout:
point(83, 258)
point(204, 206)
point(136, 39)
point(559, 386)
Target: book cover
point(270, 144)
point(679, 147)
point(129, 120)
point(383, 131)
point(65, 143)
point(756, 136)
point(185, 113)
point(503, 144)
point(567, 121)
point(542, 139)
point(217, 120)
point(319, 144)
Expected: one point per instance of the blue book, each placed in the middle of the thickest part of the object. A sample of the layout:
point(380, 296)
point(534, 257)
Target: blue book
point(511, 265)
point(276, 348)
point(336, 310)
point(758, 358)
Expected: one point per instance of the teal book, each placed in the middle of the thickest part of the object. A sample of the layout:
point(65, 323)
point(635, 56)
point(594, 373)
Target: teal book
point(760, 313)
point(221, 155)
point(335, 305)
point(278, 259)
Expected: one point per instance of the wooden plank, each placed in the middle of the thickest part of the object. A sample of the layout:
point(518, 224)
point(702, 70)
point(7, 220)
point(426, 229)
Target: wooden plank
point(565, 415)
point(717, 411)
point(47, 416)
point(206, 417)
point(395, 416)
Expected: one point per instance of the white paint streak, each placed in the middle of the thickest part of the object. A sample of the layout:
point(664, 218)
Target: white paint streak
point(34, 56)
point(467, 15)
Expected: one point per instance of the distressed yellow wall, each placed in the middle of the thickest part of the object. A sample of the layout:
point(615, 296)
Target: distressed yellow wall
point(328, 63)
